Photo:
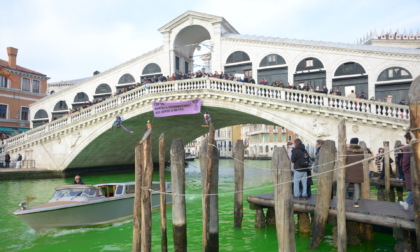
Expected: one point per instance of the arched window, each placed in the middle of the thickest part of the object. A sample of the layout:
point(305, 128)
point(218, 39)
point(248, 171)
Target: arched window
point(61, 105)
point(41, 114)
point(151, 69)
point(272, 60)
point(237, 56)
point(81, 97)
point(394, 73)
point(349, 68)
point(103, 89)
point(309, 64)
point(126, 78)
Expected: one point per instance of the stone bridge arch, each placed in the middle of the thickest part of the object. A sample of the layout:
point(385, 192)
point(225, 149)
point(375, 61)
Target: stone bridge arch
point(86, 139)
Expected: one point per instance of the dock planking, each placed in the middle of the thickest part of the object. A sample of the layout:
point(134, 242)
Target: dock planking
point(383, 213)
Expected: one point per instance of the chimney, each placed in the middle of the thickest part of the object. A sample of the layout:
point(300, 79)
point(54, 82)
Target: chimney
point(12, 52)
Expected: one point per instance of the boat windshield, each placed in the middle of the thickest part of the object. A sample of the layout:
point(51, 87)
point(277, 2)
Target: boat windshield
point(73, 192)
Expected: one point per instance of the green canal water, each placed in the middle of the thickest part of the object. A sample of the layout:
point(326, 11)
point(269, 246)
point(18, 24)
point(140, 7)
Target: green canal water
point(15, 235)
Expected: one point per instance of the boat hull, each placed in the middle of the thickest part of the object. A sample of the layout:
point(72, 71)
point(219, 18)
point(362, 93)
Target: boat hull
point(93, 213)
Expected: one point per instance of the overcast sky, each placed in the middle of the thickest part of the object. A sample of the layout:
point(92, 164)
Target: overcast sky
point(70, 39)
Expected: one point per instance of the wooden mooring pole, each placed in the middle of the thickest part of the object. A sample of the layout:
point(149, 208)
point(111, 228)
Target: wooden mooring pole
point(414, 103)
point(341, 189)
point(179, 222)
point(163, 231)
point(387, 172)
point(210, 198)
point(366, 230)
point(283, 203)
point(146, 195)
point(327, 155)
point(238, 155)
point(136, 246)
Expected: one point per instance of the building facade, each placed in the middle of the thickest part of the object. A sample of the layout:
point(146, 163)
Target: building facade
point(19, 87)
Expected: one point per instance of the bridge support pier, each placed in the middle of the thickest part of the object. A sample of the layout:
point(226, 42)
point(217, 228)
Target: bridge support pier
point(406, 240)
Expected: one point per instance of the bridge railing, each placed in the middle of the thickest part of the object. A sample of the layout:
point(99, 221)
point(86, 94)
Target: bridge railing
point(386, 110)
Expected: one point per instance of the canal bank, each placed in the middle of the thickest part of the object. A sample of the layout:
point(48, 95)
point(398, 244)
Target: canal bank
point(32, 173)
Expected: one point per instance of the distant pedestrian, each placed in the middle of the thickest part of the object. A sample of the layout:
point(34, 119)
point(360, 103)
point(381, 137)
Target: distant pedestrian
point(148, 125)
point(18, 161)
point(354, 173)
point(7, 160)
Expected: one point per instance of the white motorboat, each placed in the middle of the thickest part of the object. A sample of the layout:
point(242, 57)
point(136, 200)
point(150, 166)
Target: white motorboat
point(77, 205)
point(189, 156)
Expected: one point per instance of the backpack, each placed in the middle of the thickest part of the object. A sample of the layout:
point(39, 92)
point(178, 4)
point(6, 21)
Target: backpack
point(304, 160)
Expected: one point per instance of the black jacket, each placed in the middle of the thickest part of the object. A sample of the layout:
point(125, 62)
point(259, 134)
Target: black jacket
point(296, 154)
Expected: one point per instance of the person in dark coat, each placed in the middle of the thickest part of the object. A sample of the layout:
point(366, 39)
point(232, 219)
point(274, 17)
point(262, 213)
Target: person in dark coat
point(7, 160)
point(407, 152)
point(300, 173)
point(354, 173)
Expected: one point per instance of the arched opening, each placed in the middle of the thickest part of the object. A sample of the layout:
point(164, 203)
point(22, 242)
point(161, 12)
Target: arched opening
point(80, 100)
point(40, 118)
point(151, 72)
point(102, 92)
point(273, 68)
point(394, 82)
point(60, 109)
point(238, 63)
point(351, 76)
point(310, 70)
point(189, 50)
point(125, 81)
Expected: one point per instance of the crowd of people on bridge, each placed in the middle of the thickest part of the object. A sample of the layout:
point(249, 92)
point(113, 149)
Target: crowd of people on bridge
point(302, 168)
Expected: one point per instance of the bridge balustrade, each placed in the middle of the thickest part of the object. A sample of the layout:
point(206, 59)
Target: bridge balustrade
point(386, 110)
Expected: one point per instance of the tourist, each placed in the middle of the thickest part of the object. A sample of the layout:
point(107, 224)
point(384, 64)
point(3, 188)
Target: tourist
point(318, 146)
point(407, 153)
point(378, 159)
point(352, 94)
point(338, 92)
point(7, 160)
point(402, 102)
point(78, 180)
point(354, 173)
point(324, 89)
point(148, 125)
point(382, 176)
point(363, 96)
point(300, 170)
point(398, 162)
point(207, 118)
point(19, 161)
point(372, 98)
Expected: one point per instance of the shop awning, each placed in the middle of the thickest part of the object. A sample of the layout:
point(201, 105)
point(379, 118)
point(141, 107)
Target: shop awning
point(23, 129)
point(6, 130)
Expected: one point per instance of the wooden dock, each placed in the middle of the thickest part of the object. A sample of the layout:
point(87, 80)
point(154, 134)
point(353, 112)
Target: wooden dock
point(388, 214)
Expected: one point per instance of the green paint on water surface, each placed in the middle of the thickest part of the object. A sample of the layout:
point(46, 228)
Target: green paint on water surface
point(17, 236)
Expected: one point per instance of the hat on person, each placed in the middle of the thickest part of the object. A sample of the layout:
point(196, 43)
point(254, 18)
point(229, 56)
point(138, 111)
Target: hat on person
point(354, 140)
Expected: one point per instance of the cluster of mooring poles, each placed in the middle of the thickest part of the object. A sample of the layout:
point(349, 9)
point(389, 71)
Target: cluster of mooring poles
point(281, 212)
point(346, 231)
point(209, 166)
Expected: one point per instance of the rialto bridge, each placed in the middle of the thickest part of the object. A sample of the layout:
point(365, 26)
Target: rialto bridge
point(86, 138)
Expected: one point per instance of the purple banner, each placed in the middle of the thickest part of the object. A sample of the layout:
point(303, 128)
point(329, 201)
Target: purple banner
point(163, 109)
